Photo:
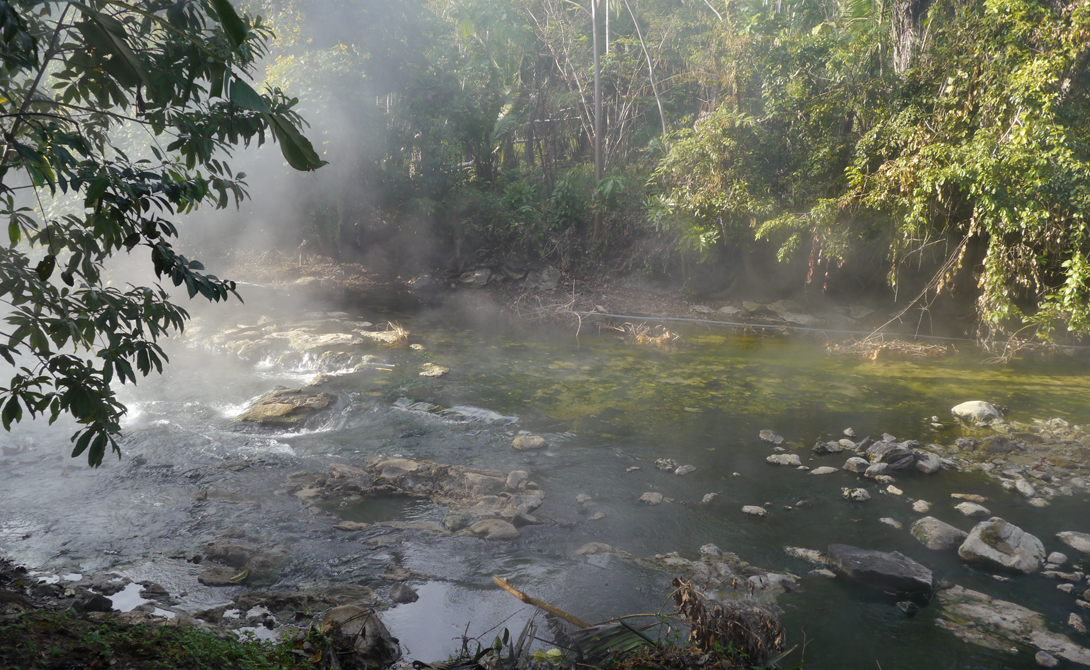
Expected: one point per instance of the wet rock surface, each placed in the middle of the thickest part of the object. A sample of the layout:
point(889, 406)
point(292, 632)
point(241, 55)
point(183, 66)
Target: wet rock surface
point(287, 407)
point(886, 570)
point(998, 543)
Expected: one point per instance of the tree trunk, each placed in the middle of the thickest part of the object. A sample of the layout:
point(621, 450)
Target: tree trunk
point(905, 31)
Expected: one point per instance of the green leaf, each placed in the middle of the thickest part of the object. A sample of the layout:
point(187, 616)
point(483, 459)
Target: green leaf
point(14, 233)
point(243, 95)
point(12, 412)
point(45, 267)
point(232, 24)
point(296, 148)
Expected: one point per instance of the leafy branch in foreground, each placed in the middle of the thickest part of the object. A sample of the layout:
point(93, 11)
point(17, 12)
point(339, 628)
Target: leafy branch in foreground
point(91, 92)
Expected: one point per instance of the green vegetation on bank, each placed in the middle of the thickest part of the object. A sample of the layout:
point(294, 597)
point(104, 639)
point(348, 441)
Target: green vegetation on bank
point(939, 147)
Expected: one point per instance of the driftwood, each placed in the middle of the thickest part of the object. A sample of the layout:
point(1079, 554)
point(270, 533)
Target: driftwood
point(530, 600)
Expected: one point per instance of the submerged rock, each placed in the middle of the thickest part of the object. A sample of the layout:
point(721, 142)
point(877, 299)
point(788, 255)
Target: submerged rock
point(769, 436)
point(784, 459)
point(754, 510)
point(877, 568)
point(1002, 544)
point(651, 498)
point(359, 634)
point(856, 495)
point(530, 443)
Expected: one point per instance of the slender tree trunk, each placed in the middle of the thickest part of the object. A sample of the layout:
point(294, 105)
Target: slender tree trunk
point(905, 31)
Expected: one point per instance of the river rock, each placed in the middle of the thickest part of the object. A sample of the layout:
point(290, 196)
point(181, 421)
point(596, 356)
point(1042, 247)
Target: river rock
point(1025, 488)
point(822, 448)
point(769, 436)
point(976, 411)
point(877, 568)
point(684, 470)
point(516, 480)
point(972, 509)
point(937, 535)
point(1078, 541)
point(1045, 659)
point(1056, 558)
point(890, 521)
point(287, 407)
point(666, 464)
point(433, 370)
point(1076, 622)
point(856, 495)
point(927, 462)
point(921, 506)
point(784, 459)
point(710, 551)
point(530, 443)
point(403, 593)
point(360, 634)
point(592, 548)
point(651, 498)
point(980, 619)
point(1003, 544)
point(754, 510)
point(856, 464)
point(824, 470)
point(494, 529)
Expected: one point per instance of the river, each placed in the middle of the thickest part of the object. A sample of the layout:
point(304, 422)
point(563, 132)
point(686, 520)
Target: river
point(606, 406)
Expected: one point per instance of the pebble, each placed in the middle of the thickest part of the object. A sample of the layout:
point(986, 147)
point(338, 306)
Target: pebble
point(632, 469)
point(651, 498)
point(754, 510)
point(708, 497)
point(921, 506)
point(894, 490)
point(685, 469)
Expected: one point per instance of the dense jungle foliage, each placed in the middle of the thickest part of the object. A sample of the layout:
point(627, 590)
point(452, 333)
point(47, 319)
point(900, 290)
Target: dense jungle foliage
point(779, 147)
point(939, 145)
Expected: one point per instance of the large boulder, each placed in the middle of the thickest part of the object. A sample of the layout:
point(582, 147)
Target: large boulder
point(893, 571)
point(976, 411)
point(980, 619)
point(1002, 544)
point(287, 407)
point(938, 535)
point(359, 635)
point(1077, 541)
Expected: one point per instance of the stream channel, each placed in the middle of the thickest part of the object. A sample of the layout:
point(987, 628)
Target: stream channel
point(605, 406)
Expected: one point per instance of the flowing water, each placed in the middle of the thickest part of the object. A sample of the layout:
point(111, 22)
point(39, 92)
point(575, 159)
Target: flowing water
point(606, 406)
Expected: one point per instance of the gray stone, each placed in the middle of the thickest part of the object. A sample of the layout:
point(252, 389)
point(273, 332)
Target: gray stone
point(784, 459)
point(1078, 541)
point(824, 470)
point(1057, 558)
point(921, 506)
point(893, 571)
point(972, 509)
point(359, 632)
point(1045, 659)
point(287, 408)
point(1003, 544)
point(516, 480)
point(545, 279)
point(928, 463)
point(711, 551)
point(822, 448)
point(666, 464)
point(856, 464)
point(857, 495)
point(976, 411)
point(1076, 622)
point(754, 510)
point(403, 593)
point(1025, 488)
point(475, 278)
point(684, 470)
point(937, 535)
point(651, 498)
point(494, 529)
point(875, 470)
point(769, 436)
point(889, 521)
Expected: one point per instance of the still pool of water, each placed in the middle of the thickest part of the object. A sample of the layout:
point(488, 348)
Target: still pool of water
point(606, 406)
